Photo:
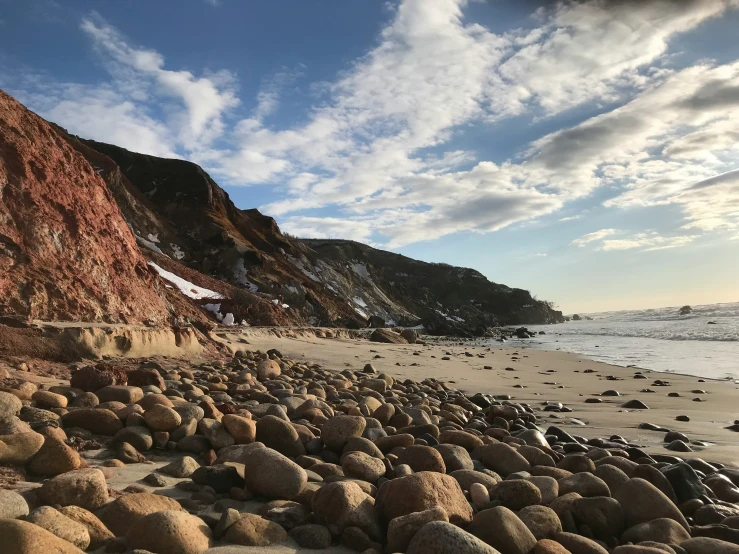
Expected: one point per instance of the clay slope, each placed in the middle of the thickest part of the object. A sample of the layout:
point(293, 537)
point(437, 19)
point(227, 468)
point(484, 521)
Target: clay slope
point(66, 252)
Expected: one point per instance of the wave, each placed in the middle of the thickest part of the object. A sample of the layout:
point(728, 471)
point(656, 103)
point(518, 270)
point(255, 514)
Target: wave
point(660, 335)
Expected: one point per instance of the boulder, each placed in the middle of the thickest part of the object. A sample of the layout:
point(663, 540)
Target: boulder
point(311, 536)
point(705, 545)
point(243, 430)
point(215, 432)
point(664, 530)
point(54, 458)
point(96, 420)
point(49, 400)
point(423, 458)
point(181, 467)
point(337, 431)
point(268, 369)
point(502, 529)
point(85, 488)
point(387, 336)
point(162, 418)
point(221, 478)
point(10, 405)
point(119, 393)
point(440, 537)
point(138, 437)
point(278, 434)
point(577, 544)
point(22, 537)
point(170, 532)
point(145, 376)
point(12, 505)
point(359, 465)
point(422, 491)
point(124, 512)
point(603, 515)
point(501, 458)
point(268, 473)
point(94, 378)
point(584, 484)
point(60, 525)
point(402, 529)
point(543, 522)
point(18, 449)
point(454, 457)
point(516, 494)
point(343, 504)
point(644, 502)
point(99, 533)
point(252, 530)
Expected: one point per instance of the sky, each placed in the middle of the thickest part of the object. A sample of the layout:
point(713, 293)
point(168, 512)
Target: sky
point(587, 151)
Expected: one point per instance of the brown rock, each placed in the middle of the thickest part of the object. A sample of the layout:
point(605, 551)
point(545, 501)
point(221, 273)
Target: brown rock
point(93, 378)
point(170, 532)
point(278, 434)
point(664, 530)
point(243, 430)
point(162, 418)
point(18, 449)
point(48, 400)
point(422, 458)
point(337, 431)
point(422, 491)
point(644, 502)
point(604, 516)
point(359, 465)
point(343, 504)
point(96, 420)
point(543, 522)
point(60, 525)
point(577, 544)
point(120, 515)
point(401, 530)
point(440, 537)
point(22, 537)
point(584, 484)
point(502, 459)
point(82, 487)
point(705, 545)
point(268, 369)
point(54, 458)
point(516, 494)
point(547, 546)
point(98, 532)
point(269, 473)
point(120, 393)
point(503, 530)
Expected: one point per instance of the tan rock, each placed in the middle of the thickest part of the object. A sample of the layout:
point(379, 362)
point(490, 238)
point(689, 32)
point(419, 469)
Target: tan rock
point(516, 494)
point(503, 530)
point(54, 458)
point(12, 505)
point(98, 421)
point(22, 537)
point(121, 514)
point(269, 473)
point(60, 525)
point(664, 530)
point(543, 522)
point(18, 449)
point(243, 430)
point(401, 530)
point(337, 431)
point(10, 405)
point(48, 400)
point(360, 465)
point(268, 369)
point(547, 546)
point(501, 458)
point(577, 544)
point(97, 530)
point(643, 502)
point(162, 418)
point(82, 487)
point(252, 530)
point(344, 504)
point(440, 537)
point(170, 532)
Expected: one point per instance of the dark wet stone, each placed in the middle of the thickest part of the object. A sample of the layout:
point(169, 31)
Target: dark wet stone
point(635, 405)
point(683, 418)
point(684, 481)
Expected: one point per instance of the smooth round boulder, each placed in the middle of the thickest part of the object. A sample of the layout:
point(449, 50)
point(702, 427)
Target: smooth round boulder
point(99, 533)
point(10, 405)
point(243, 430)
point(440, 537)
point(455, 457)
point(548, 487)
point(603, 515)
point(18, 449)
point(577, 544)
point(60, 525)
point(344, 504)
point(583, 483)
point(162, 418)
point(170, 532)
point(337, 431)
point(98, 421)
point(422, 491)
point(12, 505)
point(401, 530)
point(85, 488)
point(359, 465)
point(503, 530)
point(311, 535)
point(22, 537)
point(54, 458)
point(422, 458)
point(664, 530)
point(48, 400)
point(124, 512)
point(516, 494)
point(706, 545)
point(543, 522)
point(644, 502)
point(501, 458)
point(268, 473)
point(268, 369)
point(278, 434)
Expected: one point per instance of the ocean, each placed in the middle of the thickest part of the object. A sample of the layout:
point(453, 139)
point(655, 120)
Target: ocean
point(704, 343)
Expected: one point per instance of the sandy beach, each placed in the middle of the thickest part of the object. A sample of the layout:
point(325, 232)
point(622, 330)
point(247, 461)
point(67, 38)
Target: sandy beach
point(541, 376)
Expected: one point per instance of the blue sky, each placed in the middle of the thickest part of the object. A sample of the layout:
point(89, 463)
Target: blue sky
point(587, 151)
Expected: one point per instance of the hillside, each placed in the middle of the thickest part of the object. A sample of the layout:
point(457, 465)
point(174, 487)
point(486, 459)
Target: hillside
point(112, 212)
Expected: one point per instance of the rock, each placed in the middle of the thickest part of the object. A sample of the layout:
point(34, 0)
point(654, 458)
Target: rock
point(516, 494)
point(684, 482)
point(181, 467)
point(422, 458)
point(502, 459)
point(268, 473)
point(479, 495)
point(455, 457)
point(243, 430)
point(221, 478)
point(85, 488)
point(280, 435)
point(584, 484)
point(644, 548)
point(460, 438)
point(18, 449)
point(287, 514)
point(664, 530)
point(228, 518)
point(54, 458)
point(12, 505)
point(124, 512)
point(10, 405)
point(603, 515)
point(128, 454)
point(311, 536)
point(162, 418)
point(635, 405)
point(268, 369)
point(612, 476)
point(145, 376)
point(422, 491)
point(94, 378)
point(543, 522)
point(48, 400)
point(362, 466)
point(503, 530)
point(705, 545)
point(714, 513)
point(60, 525)
point(402, 529)
point(14, 426)
point(22, 537)
point(120, 393)
point(170, 532)
point(547, 546)
point(657, 478)
point(644, 502)
point(440, 537)
point(138, 437)
point(344, 504)
point(548, 487)
point(337, 431)
point(195, 444)
point(96, 420)
point(387, 336)
point(577, 544)
point(216, 433)
point(97, 531)
point(252, 530)
point(466, 477)
point(577, 463)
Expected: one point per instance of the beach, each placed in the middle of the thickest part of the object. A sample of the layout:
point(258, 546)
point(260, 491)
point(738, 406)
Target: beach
point(539, 376)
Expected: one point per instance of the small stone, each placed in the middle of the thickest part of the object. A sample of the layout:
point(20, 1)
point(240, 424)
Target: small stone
point(10, 405)
point(48, 400)
point(243, 430)
point(479, 495)
point(162, 418)
point(422, 458)
point(216, 433)
point(362, 466)
point(154, 480)
point(228, 518)
point(635, 405)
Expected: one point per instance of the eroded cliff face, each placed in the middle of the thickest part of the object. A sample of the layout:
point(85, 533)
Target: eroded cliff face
point(66, 252)
point(81, 222)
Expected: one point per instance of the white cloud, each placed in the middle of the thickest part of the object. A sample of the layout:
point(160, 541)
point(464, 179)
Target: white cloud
point(592, 237)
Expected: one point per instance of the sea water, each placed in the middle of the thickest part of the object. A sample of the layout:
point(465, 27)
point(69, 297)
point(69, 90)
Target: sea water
point(704, 343)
